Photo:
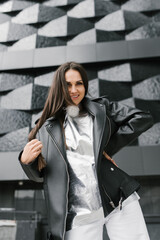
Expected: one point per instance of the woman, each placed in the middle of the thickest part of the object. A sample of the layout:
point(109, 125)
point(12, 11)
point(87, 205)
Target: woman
point(69, 149)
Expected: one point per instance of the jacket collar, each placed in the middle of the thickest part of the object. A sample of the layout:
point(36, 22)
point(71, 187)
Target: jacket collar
point(98, 112)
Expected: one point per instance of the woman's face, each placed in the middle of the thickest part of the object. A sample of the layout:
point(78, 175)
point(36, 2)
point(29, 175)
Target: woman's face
point(75, 84)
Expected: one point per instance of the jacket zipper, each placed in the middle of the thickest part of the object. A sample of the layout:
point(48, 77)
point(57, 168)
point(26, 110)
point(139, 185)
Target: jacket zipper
point(67, 181)
point(110, 200)
point(109, 130)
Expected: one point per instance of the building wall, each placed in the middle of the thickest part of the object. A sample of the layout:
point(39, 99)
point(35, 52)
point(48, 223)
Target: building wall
point(118, 44)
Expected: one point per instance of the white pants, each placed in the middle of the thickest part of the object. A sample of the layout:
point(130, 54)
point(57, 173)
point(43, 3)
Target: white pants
point(125, 224)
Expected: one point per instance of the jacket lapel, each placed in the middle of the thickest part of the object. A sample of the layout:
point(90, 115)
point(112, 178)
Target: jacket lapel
point(99, 125)
point(54, 128)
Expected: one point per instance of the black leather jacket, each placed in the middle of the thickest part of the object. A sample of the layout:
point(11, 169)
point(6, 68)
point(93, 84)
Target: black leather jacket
point(114, 126)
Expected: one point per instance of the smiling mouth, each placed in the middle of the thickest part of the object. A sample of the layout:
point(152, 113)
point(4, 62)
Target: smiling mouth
point(74, 97)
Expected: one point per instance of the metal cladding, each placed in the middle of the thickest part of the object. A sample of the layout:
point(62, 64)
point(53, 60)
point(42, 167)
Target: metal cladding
point(116, 41)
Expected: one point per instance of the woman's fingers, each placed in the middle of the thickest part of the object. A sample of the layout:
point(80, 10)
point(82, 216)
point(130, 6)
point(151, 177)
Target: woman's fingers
point(34, 145)
point(31, 151)
point(37, 147)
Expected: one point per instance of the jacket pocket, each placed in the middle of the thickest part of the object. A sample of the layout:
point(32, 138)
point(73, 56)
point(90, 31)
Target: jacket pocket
point(117, 185)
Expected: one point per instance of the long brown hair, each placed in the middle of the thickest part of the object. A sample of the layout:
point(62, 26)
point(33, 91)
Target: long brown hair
point(58, 98)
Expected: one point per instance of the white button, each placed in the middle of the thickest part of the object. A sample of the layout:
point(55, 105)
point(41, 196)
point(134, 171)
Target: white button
point(112, 169)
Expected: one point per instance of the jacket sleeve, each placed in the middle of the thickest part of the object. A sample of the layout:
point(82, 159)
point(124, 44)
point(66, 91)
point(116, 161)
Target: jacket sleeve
point(127, 123)
point(31, 169)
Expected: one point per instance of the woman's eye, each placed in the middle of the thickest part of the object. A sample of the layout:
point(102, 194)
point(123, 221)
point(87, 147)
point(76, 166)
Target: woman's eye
point(80, 83)
point(76, 84)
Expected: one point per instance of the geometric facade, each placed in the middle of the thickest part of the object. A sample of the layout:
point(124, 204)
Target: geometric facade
point(66, 27)
point(118, 43)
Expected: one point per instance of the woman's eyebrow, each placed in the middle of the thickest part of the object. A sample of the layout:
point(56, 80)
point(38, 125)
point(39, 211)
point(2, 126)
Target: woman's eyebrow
point(79, 81)
point(76, 81)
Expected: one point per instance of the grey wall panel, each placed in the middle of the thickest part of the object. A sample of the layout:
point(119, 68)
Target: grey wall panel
point(17, 60)
point(91, 72)
point(109, 36)
point(144, 48)
point(84, 9)
point(150, 30)
point(110, 51)
point(142, 70)
point(1, 59)
point(122, 20)
point(14, 6)
point(55, 28)
point(117, 73)
point(152, 106)
point(148, 89)
point(11, 120)
point(59, 3)
point(151, 136)
point(10, 167)
point(19, 98)
point(37, 13)
point(10, 81)
point(49, 56)
point(157, 17)
point(151, 160)
point(2, 47)
point(93, 88)
point(105, 51)
point(45, 79)
point(14, 141)
point(84, 25)
point(143, 5)
point(44, 42)
point(39, 96)
point(85, 38)
point(48, 13)
point(73, 53)
point(134, 19)
point(139, 161)
point(4, 29)
point(24, 44)
point(4, 18)
point(18, 31)
point(129, 159)
point(116, 91)
point(105, 7)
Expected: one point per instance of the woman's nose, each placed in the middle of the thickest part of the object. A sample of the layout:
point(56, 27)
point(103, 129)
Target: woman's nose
point(73, 89)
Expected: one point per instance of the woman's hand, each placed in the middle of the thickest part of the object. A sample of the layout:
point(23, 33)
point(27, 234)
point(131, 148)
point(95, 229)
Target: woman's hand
point(31, 151)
